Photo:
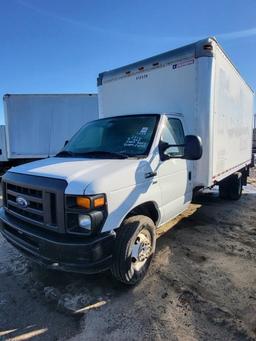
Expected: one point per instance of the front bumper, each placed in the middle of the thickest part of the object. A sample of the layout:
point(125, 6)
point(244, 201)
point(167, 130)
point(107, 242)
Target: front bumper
point(59, 251)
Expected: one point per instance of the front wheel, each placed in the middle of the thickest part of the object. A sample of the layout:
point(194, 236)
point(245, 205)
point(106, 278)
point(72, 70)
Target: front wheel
point(134, 249)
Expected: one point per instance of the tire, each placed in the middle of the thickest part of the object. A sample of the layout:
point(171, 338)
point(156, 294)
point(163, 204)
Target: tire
point(135, 235)
point(236, 187)
point(223, 189)
point(231, 187)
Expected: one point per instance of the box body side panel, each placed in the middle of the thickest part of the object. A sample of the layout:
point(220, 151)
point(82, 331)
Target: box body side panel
point(232, 120)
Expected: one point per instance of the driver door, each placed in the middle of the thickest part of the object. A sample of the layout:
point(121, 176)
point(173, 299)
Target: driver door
point(174, 174)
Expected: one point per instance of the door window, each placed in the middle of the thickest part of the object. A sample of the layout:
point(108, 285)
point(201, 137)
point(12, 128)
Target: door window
point(173, 134)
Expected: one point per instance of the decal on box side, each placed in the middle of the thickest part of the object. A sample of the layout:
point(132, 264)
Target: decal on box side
point(181, 64)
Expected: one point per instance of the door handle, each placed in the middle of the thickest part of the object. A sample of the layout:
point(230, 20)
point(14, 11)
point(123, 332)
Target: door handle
point(150, 175)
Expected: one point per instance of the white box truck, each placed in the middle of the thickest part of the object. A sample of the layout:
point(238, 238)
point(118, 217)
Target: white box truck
point(170, 124)
point(37, 126)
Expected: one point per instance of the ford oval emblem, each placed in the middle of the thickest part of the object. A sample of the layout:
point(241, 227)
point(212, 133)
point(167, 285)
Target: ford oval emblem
point(22, 202)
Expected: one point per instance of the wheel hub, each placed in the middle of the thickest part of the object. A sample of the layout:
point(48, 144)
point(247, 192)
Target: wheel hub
point(141, 250)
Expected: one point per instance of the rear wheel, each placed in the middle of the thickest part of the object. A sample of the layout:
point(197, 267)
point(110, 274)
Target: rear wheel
point(134, 249)
point(231, 187)
point(236, 187)
point(223, 189)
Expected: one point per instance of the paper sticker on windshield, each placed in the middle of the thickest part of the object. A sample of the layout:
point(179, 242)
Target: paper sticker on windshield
point(141, 144)
point(132, 141)
point(135, 141)
point(144, 131)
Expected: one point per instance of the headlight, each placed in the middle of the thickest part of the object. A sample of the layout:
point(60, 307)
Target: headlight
point(85, 222)
point(85, 215)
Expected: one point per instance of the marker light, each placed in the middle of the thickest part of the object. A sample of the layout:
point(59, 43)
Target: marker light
point(98, 202)
point(208, 47)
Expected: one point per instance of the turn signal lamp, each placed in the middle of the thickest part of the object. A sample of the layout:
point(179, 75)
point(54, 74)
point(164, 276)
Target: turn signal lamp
point(84, 202)
point(90, 202)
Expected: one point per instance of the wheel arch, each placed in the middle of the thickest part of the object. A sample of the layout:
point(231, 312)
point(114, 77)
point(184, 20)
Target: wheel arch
point(148, 209)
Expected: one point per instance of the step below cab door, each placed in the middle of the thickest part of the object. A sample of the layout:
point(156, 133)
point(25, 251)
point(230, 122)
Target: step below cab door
point(175, 173)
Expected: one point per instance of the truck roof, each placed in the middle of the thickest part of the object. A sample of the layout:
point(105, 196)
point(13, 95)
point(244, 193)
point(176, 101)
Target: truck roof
point(201, 48)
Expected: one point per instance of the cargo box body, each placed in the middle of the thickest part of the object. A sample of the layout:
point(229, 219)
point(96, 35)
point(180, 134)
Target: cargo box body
point(200, 83)
point(37, 126)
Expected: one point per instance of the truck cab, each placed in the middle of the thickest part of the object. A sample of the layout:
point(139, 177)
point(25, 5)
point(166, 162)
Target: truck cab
point(97, 204)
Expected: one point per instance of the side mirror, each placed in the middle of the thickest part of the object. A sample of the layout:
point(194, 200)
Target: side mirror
point(193, 149)
point(190, 150)
point(65, 143)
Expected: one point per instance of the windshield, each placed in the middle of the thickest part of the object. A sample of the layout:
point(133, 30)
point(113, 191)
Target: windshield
point(115, 137)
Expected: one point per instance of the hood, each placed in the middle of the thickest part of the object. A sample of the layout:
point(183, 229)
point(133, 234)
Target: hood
point(89, 175)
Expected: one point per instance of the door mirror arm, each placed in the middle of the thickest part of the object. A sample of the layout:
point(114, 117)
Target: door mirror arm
point(163, 146)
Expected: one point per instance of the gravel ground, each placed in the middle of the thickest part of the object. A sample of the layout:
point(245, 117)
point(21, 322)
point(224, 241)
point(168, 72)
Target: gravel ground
point(201, 285)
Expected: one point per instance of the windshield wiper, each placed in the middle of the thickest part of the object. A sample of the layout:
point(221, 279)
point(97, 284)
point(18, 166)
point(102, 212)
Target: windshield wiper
point(103, 153)
point(64, 153)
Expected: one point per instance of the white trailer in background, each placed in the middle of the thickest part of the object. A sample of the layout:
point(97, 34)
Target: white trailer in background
point(37, 126)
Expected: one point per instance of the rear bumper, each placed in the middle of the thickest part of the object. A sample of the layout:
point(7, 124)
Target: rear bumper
point(56, 251)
